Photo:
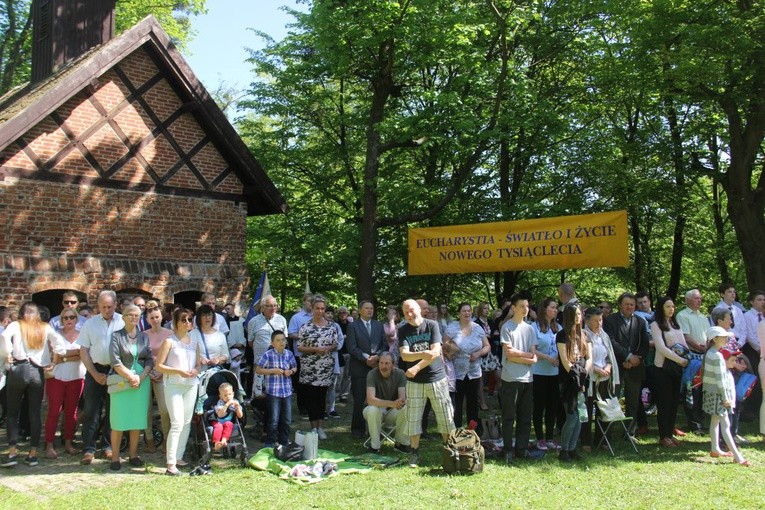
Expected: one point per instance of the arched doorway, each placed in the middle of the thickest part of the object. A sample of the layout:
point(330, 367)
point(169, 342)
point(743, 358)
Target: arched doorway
point(52, 299)
point(188, 299)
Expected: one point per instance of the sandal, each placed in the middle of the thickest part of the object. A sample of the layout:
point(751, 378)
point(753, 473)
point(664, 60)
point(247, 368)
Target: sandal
point(51, 454)
point(87, 459)
point(716, 455)
point(745, 463)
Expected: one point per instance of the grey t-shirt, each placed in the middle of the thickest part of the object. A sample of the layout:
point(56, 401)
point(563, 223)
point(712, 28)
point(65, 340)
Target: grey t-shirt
point(522, 337)
point(386, 389)
point(419, 339)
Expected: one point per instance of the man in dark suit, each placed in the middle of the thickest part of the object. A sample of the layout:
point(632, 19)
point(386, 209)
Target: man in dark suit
point(630, 340)
point(365, 341)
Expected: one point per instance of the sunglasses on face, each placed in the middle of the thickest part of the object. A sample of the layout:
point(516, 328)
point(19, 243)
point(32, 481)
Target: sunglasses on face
point(70, 302)
point(69, 318)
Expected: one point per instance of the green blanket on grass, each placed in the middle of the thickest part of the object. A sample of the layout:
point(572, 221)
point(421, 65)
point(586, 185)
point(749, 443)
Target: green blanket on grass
point(265, 460)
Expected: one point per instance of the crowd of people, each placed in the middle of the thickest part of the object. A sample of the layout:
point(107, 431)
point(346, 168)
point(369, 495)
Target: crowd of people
point(547, 364)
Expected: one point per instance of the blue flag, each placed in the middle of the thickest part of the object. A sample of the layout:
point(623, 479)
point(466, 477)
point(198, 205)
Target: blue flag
point(263, 289)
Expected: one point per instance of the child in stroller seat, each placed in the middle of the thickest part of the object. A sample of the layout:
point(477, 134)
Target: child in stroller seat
point(222, 419)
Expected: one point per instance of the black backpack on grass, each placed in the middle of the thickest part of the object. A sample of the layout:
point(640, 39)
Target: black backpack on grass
point(463, 453)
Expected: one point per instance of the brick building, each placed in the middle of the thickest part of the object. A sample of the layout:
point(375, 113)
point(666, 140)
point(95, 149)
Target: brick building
point(117, 170)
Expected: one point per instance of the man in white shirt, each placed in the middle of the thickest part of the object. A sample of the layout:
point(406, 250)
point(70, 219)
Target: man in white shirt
point(752, 347)
point(752, 319)
point(259, 332)
point(694, 324)
point(727, 300)
point(94, 340)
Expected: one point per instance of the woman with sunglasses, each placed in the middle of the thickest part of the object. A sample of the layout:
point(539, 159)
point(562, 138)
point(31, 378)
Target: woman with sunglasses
point(179, 360)
point(65, 388)
point(24, 346)
point(213, 345)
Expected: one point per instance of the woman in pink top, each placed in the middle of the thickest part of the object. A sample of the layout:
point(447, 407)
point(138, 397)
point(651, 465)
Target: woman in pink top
point(157, 336)
point(669, 340)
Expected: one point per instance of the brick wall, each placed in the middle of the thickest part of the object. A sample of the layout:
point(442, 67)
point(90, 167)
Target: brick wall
point(83, 237)
point(62, 236)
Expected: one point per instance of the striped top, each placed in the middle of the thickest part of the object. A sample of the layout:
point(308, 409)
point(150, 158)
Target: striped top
point(717, 378)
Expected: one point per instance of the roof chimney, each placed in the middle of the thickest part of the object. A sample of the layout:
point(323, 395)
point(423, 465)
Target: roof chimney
point(65, 29)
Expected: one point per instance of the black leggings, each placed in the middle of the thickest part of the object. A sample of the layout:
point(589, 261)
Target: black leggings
point(315, 401)
point(667, 400)
point(546, 402)
point(24, 379)
point(467, 392)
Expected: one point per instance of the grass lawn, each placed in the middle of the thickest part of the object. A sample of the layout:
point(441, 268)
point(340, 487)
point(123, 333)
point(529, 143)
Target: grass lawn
point(685, 477)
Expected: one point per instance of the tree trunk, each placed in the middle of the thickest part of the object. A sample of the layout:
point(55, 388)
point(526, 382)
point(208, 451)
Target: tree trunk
point(382, 85)
point(673, 286)
point(722, 264)
point(746, 203)
point(637, 245)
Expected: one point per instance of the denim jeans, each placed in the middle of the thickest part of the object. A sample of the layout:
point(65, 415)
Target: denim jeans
point(570, 433)
point(280, 420)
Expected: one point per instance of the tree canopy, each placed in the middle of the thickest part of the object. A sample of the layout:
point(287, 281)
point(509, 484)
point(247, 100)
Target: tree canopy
point(374, 116)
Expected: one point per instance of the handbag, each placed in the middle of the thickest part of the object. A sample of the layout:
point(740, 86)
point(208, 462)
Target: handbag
point(672, 367)
point(609, 409)
point(115, 383)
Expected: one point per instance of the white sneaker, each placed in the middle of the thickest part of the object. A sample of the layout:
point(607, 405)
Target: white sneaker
point(322, 434)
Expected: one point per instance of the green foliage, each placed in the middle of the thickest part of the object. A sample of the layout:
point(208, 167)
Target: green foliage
point(15, 43)
point(173, 16)
point(428, 112)
point(16, 30)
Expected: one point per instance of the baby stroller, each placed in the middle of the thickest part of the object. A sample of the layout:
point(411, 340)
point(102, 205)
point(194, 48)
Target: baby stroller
point(201, 430)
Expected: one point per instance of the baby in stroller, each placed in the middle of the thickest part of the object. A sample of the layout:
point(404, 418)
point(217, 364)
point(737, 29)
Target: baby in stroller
point(222, 419)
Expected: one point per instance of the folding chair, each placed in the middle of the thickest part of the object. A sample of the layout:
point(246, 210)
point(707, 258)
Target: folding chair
point(387, 434)
point(617, 417)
